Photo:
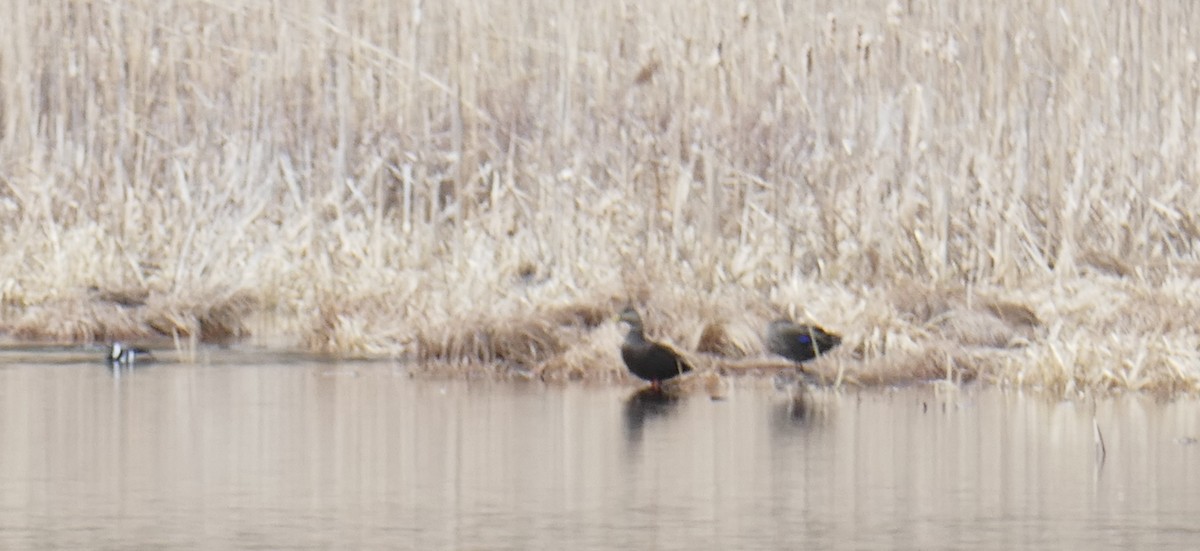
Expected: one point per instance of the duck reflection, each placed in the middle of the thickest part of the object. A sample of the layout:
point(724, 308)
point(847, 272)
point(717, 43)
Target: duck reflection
point(803, 408)
point(797, 410)
point(643, 405)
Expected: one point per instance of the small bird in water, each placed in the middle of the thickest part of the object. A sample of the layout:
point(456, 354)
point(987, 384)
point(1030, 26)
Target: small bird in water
point(649, 360)
point(120, 355)
point(798, 342)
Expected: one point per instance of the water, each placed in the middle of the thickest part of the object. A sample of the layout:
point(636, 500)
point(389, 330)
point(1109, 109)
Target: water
point(308, 455)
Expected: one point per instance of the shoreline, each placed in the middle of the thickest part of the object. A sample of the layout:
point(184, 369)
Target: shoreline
point(926, 335)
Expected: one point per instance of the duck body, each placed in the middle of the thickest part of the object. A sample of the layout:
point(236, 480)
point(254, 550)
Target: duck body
point(122, 355)
point(647, 359)
point(799, 342)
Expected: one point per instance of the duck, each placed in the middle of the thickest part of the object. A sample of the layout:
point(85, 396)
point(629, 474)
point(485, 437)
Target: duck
point(799, 342)
point(649, 360)
point(120, 355)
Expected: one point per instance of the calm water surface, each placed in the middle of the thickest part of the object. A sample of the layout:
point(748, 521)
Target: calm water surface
point(309, 455)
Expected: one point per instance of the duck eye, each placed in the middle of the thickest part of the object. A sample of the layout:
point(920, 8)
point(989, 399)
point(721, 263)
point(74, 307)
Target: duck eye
point(805, 339)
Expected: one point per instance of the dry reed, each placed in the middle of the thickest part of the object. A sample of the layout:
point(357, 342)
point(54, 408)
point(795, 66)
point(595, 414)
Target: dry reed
point(965, 190)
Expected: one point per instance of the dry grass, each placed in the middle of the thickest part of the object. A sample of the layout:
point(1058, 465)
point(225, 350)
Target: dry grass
point(965, 191)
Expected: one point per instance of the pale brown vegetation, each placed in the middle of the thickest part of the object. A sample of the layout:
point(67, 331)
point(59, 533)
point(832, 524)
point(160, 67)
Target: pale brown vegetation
point(1003, 192)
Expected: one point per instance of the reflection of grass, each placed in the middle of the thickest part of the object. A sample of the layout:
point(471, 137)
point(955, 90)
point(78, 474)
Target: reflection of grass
point(968, 193)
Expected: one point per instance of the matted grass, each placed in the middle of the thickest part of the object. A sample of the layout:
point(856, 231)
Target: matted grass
point(964, 191)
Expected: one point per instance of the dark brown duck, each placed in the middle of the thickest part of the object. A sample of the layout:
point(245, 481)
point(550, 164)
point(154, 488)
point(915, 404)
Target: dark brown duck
point(649, 360)
point(798, 342)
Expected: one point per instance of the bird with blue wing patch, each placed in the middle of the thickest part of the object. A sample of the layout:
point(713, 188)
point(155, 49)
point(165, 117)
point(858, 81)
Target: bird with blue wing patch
point(799, 342)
